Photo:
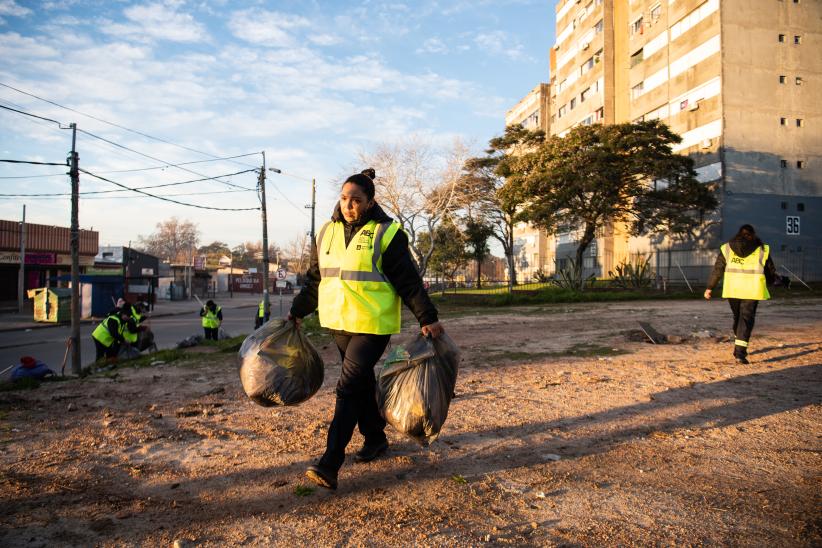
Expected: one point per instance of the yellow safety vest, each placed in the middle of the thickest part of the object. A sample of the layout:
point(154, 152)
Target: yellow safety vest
point(261, 311)
point(354, 295)
point(210, 320)
point(102, 334)
point(745, 276)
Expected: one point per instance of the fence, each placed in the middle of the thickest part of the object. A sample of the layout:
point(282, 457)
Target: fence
point(668, 268)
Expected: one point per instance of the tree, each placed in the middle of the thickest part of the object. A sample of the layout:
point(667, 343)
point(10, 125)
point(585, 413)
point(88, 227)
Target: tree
point(418, 186)
point(447, 249)
point(488, 194)
point(297, 252)
point(173, 241)
point(476, 234)
point(214, 251)
point(603, 174)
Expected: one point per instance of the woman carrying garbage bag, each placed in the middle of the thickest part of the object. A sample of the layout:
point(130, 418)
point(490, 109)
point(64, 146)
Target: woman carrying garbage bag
point(360, 270)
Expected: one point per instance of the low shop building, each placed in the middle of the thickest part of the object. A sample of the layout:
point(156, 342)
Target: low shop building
point(47, 257)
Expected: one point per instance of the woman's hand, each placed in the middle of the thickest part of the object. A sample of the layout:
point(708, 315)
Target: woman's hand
point(432, 330)
point(707, 294)
point(290, 318)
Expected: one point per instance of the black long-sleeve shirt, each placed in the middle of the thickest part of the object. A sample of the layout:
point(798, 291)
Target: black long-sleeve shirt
point(397, 265)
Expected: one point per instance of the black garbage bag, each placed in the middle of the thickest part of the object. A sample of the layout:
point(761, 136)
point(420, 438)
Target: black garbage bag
point(416, 384)
point(279, 365)
point(128, 352)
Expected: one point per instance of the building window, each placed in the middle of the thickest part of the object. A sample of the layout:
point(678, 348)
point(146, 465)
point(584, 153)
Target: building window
point(781, 37)
point(561, 85)
point(783, 121)
point(587, 65)
point(798, 80)
point(598, 27)
point(656, 13)
point(782, 78)
point(800, 122)
point(637, 58)
point(637, 28)
point(784, 205)
point(636, 91)
point(800, 206)
point(573, 104)
point(587, 93)
point(800, 164)
point(783, 163)
point(561, 111)
point(797, 39)
point(599, 114)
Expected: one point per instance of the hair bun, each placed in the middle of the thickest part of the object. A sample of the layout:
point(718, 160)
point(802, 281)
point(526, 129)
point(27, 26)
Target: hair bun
point(370, 173)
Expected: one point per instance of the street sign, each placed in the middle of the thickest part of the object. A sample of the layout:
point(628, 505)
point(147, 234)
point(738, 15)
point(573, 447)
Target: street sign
point(281, 274)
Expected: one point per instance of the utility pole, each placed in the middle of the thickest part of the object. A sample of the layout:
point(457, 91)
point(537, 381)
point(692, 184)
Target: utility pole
point(313, 208)
point(266, 309)
point(74, 173)
point(21, 275)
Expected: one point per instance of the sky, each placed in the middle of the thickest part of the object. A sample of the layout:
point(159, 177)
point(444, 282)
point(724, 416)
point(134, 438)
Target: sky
point(310, 83)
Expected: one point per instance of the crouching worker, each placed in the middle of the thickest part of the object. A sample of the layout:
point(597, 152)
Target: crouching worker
point(212, 318)
point(108, 335)
point(360, 271)
point(745, 266)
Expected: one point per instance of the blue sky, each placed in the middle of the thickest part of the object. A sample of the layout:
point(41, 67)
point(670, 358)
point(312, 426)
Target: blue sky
point(311, 83)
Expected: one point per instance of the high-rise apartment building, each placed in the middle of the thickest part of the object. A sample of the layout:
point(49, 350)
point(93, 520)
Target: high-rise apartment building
point(739, 80)
point(533, 247)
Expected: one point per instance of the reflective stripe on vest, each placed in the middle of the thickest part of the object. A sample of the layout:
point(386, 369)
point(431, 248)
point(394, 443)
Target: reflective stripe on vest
point(745, 276)
point(354, 294)
point(102, 334)
point(210, 320)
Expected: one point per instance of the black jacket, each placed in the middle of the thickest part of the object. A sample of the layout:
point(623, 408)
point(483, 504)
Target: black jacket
point(397, 266)
point(743, 248)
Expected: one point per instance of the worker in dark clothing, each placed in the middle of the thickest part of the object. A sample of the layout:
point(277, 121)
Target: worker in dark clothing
point(360, 270)
point(746, 268)
point(108, 335)
point(212, 319)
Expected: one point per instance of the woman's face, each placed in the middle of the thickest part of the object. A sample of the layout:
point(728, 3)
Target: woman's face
point(354, 202)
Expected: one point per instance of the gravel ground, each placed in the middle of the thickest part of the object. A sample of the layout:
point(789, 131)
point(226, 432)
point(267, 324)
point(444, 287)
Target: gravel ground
point(567, 429)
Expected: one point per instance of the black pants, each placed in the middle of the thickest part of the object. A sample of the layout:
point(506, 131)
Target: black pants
point(744, 311)
point(211, 333)
point(356, 396)
point(102, 351)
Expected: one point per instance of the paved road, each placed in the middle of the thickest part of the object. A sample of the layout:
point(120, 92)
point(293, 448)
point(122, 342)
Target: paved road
point(49, 344)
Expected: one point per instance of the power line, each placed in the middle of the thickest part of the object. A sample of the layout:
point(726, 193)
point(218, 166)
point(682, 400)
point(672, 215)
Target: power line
point(33, 163)
point(64, 196)
point(45, 194)
point(168, 199)
point(118, 145)
point(32, 115)
point(32, 176)
point(115, 125)
point(185, 164)
point(295, 206)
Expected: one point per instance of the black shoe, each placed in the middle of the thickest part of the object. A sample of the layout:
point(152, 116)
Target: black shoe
point(370, 452)
point(321, 476)
point(742, 360)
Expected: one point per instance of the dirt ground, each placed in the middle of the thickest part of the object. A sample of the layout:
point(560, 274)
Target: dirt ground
point(567, 430)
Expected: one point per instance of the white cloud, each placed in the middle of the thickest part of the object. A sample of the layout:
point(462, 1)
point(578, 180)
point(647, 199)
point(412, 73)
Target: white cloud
point(159, 22)
point(324, 39)
point(433, 45)
point(500, 43)
point(13, 9)
point(14, 46)
point(266, 28)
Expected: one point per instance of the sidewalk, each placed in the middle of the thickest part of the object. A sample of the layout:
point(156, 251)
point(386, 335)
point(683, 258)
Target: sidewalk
point(14, 321)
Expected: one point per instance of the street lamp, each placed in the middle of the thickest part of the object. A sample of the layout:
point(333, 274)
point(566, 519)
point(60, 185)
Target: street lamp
point(313, 205)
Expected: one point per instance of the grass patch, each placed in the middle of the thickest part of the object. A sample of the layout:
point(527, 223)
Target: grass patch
point(226, 345)
point(26, 383)
point(169, 355)
point(303, 490)
point(460, 480)
point(556, 295)
point(579, 350)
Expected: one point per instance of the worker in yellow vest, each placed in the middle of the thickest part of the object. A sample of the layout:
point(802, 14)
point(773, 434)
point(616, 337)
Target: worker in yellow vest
point(130, 327)
point(746, 268)
point(261, 317)
point(360, 270)
point(212, 318)
point(108, 335)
